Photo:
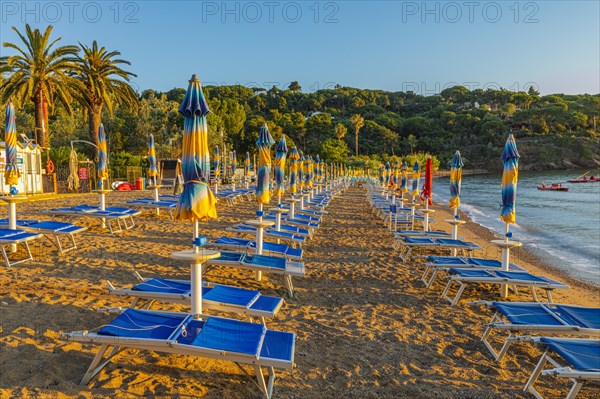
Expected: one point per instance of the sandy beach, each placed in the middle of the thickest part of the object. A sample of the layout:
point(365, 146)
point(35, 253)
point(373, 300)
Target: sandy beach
point(366, 326)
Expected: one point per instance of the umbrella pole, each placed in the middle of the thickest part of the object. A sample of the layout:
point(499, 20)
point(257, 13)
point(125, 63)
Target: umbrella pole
point(412, 212)
point(12, 221)
point(196, 286)
point(426, 222)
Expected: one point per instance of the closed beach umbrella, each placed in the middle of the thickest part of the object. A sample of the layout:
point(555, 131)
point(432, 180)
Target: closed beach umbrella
point(196, 202)
point(280, 155)
point(381, 176)
point(11, 172)
point(317, 168)
point(264, 143)
point(73, 179)
point(388, 173)
point(510, 177)
point(247, 165)
point(404, 178)
point(102, 155)
point(153, 168)
point(300, 169)
point(394, 179)
point(233, 163)
point(217, 163)
point(426, 191)
point(307, 172)
point(455, 180)
point(294, 157)
point(416, 177)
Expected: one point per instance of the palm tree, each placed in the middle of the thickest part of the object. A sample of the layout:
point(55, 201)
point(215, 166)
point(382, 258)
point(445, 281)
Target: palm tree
point(340, 131)
point(39, 73)
point(105, 84)
point(357, 122)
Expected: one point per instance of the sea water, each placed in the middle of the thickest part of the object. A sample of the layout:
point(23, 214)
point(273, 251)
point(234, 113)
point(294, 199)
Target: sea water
point(562, 228)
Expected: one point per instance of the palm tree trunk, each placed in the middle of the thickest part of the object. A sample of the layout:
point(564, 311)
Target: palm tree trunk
point(40, 128)
point(94, 120)
point(356, 140)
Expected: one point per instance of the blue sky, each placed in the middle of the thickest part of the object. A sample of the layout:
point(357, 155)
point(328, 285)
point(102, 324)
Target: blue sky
point(391, 45)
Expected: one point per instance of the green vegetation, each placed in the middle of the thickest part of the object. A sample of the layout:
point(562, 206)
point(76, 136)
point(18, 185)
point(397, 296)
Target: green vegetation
point(552, 131)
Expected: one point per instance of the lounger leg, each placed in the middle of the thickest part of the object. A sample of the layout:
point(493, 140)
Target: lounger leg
point(534, 294)
point(500, 354)
point(424, 276)
point(260, 379)
point(5, 255)
point(575, 389)
point(534, 376)
point(549, 295)
point(287, 281)
point(458, 294)
point(272, 380)
point(95, 366)
point(446, 289)
point(432, 279)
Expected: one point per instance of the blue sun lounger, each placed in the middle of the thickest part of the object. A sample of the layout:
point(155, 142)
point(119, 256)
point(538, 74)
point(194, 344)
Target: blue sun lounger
point(52, 230)
point(295, 222)
point(167, 205)
point(218, 297)
point(247, 245)
point(405, 245)
point(261, 263)
point(529, 318)
point(118, 214)
point(17, 237)
point(582, 355)
point(179, 333)
point(272, 233)
point(436, 264)
point(515, 279)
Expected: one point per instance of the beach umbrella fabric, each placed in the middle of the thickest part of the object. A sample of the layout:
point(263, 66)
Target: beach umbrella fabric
point(300, 169)
point(294, 157)
point(455, 180)
point(307, 172)
point(153, 168)
point(247, 165)
point(416, 177)
point(264, 143)
point(233, 163)
point(196, 202)
point(280, 156)
point(510, 177)
point(426, 191)
point(217, 163)
point(381, 174)
point(388, 173)
point(102, 154)
point(404, 178)
point(11, 172)
point(73, 179)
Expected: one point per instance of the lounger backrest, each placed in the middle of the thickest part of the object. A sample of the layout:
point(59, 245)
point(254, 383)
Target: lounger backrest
point(584, 317)
point(582, 354)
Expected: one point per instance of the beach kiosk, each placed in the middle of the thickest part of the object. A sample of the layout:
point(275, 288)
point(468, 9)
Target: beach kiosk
point(29, 164)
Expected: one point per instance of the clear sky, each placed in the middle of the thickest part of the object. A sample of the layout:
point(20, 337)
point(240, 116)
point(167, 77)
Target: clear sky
point(391, 45)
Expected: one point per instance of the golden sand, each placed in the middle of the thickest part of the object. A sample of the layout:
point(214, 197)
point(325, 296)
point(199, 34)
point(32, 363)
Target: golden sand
point(366, 326)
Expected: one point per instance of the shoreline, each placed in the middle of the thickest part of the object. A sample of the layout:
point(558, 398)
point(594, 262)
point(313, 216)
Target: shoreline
point(521, 256)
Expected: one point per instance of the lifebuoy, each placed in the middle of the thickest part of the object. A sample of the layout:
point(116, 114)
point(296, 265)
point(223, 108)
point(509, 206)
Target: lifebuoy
point(49, 166)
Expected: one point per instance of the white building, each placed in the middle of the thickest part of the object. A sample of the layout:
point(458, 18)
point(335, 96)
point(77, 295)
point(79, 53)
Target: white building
point(29, 163)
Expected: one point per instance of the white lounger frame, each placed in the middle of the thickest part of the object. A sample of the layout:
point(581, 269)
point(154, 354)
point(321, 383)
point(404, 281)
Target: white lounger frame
point(170, 345)
point(24, 242)
point(292, 269)
point(512, 284)
point(146, 299)
point(106, 218)
point(499, 323)
point(576, 376)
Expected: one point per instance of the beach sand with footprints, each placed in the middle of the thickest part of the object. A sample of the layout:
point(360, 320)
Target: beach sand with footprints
point(366, 326)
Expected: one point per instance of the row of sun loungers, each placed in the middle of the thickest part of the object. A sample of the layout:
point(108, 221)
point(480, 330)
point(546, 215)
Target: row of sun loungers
point(210, 337)
point(543, 324)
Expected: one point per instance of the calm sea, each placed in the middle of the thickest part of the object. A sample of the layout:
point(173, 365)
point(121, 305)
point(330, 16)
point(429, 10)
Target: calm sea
point(562, 228)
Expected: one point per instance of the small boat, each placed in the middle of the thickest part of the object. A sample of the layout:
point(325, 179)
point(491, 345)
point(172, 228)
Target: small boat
point(552, 187)
point(584, 179)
